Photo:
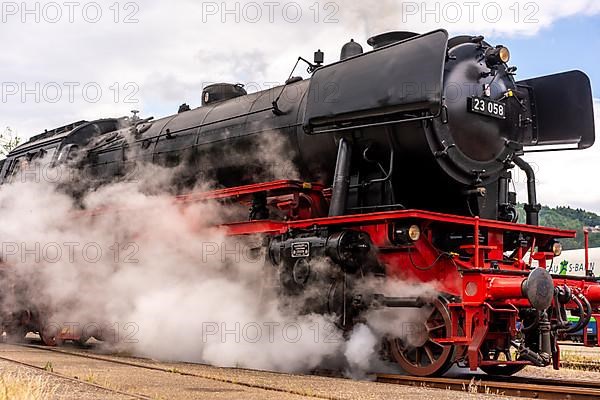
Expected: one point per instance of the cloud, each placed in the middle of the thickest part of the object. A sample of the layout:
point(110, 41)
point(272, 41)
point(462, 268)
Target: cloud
point(189, 43)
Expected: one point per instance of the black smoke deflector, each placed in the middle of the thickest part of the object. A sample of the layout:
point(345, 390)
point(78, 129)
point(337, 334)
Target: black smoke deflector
point(563, 110)
point(401, 79)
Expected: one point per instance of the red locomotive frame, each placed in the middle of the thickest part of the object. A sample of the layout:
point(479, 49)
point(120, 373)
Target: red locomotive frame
point(485, 290)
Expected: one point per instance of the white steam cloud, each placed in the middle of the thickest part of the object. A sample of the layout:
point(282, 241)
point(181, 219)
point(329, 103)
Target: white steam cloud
point(159, 277)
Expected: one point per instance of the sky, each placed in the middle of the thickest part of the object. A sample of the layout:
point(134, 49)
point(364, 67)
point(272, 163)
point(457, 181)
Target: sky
point(66, 61)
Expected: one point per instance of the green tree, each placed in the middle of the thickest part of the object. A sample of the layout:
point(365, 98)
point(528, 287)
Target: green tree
point(570, 219)
point(8, 141)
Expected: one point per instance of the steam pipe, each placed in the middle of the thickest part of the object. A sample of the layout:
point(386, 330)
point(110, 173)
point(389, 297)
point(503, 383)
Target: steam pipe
point(532, 208)
point(592, 293)
point(503, 190)
point(584, 314)
point(562, 295)
point(505, 288)
point(578, 325)
point(545, 329)
point(341, 179)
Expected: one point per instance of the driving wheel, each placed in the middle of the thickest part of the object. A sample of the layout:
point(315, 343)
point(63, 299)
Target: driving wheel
point(418, 353)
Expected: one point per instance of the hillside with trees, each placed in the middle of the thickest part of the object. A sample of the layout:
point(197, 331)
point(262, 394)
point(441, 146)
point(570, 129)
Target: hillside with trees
point(569, 218)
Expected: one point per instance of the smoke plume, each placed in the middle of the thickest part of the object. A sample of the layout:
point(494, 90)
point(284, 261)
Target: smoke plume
point(130, 265)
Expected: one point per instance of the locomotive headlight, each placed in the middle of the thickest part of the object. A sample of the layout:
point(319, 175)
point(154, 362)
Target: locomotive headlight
point(406, 234)
point(496, 55)
point(504, 54)
point(557, 249)
point(414, 233)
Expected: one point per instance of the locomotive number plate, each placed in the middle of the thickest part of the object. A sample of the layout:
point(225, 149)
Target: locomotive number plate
point(300, 249)
point(487, 107)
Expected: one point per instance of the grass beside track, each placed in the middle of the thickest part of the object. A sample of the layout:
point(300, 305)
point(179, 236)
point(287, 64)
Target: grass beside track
point(576, 360)
point(25, 386)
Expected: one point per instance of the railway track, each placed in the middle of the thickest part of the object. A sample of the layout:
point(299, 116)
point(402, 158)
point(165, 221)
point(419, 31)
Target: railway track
point(48, 371)
point(142, 364)
point(536, 388)
point(484, 384)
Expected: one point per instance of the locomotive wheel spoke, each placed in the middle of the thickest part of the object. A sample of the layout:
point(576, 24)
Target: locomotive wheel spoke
point(416, 363)
point(429, 353)
point(434, 343)
point(435, 327)
point(430, 314)
point(422, 355)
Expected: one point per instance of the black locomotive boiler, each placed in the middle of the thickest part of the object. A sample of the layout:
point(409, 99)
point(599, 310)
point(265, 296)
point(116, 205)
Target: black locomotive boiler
point(419, 115)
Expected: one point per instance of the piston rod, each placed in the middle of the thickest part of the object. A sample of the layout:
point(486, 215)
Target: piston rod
point(380, 300)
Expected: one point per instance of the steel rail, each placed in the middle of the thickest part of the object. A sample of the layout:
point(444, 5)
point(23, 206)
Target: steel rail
point(529, 387)
point(508, 386)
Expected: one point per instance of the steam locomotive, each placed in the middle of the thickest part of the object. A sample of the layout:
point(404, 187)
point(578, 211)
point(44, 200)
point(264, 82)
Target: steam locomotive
point(404, 156)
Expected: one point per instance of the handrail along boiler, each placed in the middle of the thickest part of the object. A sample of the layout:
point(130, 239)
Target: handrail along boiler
point(410, 148)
